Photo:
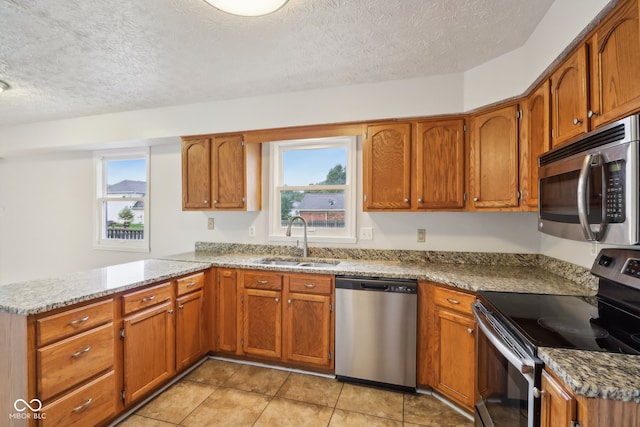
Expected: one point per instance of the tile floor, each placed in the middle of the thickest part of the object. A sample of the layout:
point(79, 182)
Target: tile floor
point(221, 393)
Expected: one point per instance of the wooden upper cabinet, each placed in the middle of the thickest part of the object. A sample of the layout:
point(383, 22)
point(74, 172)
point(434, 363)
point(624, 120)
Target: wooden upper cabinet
point(387, 167)
point(535, 139)
point(439, 165)
point(221, 173)
point(196, 170)
point(615, 65)
point(569, 103)
point(493, 159)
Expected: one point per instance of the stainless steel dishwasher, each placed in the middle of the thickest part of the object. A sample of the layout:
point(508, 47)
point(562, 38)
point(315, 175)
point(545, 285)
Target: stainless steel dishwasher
point(376, 331)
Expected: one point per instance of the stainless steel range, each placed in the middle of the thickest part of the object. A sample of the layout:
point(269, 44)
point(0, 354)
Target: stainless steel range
point(511, 326)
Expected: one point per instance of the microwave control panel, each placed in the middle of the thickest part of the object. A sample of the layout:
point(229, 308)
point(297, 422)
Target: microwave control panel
point(615, 194)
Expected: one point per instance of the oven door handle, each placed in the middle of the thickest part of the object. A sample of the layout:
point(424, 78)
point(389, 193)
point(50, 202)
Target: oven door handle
point(527, 369)
point(583, 196)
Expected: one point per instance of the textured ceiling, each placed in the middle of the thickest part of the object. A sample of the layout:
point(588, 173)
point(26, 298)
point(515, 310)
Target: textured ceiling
point(70, 58)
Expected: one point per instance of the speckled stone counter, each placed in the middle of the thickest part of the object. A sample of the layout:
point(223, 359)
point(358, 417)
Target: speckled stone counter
point(38, 296)
point(596, 374)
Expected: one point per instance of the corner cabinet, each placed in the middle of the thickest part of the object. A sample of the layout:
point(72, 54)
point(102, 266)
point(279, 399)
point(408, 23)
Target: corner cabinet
point(615, 65)
point(220, 172)
point(558, 406)
point(493, 159)
point(387, 167)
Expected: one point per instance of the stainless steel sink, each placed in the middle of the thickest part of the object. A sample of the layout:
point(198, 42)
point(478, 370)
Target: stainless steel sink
point(298, 262)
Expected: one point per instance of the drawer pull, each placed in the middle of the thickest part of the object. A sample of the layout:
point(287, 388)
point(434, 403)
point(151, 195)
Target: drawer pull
point(262, 282)
point(309, 285)
point(469, 330)
point(81, 352)
point(191, 284)
point(453, 301)
point(84, 405)
point(81, 320)
point(151, 298)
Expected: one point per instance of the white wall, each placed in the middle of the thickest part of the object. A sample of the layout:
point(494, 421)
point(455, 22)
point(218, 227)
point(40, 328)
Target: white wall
point(47, 175)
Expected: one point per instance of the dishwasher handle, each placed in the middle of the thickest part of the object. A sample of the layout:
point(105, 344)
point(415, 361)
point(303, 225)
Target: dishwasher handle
point(372, 287)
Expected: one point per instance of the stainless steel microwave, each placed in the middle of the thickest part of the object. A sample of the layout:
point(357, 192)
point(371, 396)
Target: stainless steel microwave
point(588, 189)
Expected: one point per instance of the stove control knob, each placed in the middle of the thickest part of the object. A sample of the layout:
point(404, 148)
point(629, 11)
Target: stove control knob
point(605, 261)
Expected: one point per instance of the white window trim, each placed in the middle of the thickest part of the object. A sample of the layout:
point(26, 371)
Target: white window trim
point(276, 232)
point(123, 245)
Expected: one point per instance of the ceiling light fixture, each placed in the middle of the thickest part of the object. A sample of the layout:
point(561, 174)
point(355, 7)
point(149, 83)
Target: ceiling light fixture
point(3, 86)
point(248, 7)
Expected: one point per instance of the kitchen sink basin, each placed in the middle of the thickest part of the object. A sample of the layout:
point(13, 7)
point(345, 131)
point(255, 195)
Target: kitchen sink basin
point(297, 263)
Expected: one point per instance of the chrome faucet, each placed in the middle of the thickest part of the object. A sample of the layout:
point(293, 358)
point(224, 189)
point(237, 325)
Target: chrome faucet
point(305, 248)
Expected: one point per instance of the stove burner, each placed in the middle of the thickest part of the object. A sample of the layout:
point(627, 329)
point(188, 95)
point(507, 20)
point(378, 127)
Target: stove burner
point(579, 330)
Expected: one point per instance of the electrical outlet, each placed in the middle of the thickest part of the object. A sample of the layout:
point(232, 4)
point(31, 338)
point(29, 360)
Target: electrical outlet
point(210, 224)
point(366, 233)
point(252, 231)
point(422, 234)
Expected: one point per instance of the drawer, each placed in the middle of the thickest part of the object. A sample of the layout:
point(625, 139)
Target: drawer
point(70, 322)
point(69, 362)
point(455, 300)
point(262, 280)
point(310, 283)
point(190, 283)
point(88, 405)
point(147, 297)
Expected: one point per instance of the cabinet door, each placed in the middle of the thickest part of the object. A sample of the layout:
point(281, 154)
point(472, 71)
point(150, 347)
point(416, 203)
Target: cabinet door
point(149, 350)
point(453, 355)
point(493, 156)
point(534, 140)
point(227, 310)
point(196, 173)
point(558, 407)
point(262, 322)
point(615, 65)
point(569, 98)
point(189, 328)
point(387, 167)
point(228, 174)
point(307, 329)
point(439, 171)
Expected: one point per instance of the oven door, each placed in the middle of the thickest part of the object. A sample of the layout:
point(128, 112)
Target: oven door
point(508, 379)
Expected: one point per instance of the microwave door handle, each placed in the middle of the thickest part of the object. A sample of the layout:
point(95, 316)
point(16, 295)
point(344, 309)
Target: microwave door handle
point(583, 195)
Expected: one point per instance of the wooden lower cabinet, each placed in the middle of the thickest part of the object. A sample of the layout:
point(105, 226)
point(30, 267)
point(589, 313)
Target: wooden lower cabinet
point(149, 350)
point(446, 343)
point(558, 406)
point(190, 342)
point(262, 323)
point(227, 313)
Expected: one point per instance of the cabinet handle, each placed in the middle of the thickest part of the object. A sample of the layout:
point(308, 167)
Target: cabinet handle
point(84, 405)
point(181, 306)
point(309, 285)
point(206, 201)
point(476, 199)
point(277, 299)
point(82, 320)
point(262, 282)
point(191, 284)
point(538, 392)
point(215, 202)
point(170, 311)
point(453, 301)
point(592, 113)
point(289, 301)
point(406, 200)
point(577, 121)
point(147, 299)
point(419, 199)
point(470, 330)
point(81, 352)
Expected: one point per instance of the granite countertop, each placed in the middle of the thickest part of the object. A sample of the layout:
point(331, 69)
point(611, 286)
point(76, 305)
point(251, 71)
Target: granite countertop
point(595, 374)
point(470, 277)
point(39, 296)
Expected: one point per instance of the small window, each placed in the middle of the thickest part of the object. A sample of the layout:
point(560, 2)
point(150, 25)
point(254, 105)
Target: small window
point(122, 202)
point(314, 179)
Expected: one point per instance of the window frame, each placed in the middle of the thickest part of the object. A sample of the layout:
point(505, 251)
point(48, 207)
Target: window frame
point(100, 241)
point(276, 176)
